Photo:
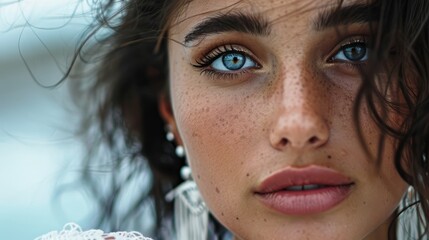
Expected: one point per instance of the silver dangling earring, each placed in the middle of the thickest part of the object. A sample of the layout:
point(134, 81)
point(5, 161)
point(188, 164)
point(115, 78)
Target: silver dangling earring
point(191, 215)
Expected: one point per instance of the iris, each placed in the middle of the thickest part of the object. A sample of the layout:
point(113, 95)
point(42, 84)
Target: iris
point(355, 52)
point(233, 61)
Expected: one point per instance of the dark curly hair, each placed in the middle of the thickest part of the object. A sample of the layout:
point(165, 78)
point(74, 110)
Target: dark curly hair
point(123, 125)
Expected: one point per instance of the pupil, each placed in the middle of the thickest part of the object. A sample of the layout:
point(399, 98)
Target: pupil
point(355, 52)
point(233, 61)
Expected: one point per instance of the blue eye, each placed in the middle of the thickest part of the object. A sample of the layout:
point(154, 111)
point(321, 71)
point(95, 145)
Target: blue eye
point(232, 61)
point(354, 52)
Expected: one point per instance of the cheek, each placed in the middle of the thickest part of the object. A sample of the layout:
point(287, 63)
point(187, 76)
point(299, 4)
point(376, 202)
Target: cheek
point(210, 131)
point(220, 130)
point(381, 147)
point(385, 187)
point(214, 129)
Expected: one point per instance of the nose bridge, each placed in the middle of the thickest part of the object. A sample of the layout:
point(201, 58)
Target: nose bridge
point(298, 122)
point(299, 91)
point(294, 90)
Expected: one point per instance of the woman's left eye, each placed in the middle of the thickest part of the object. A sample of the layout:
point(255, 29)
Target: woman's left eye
point(232, 61)
point(352, 52)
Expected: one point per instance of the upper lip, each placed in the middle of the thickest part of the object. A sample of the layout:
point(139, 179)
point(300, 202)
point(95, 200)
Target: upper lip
point(310, 175)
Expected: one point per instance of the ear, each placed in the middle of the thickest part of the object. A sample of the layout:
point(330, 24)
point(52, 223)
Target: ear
point(166, 112)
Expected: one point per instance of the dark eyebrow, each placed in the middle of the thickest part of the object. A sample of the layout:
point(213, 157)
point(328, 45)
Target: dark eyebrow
point(230, 22)
point(355, 13)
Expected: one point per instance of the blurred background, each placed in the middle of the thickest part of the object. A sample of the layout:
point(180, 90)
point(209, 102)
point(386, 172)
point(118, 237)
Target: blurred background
point(38, 124)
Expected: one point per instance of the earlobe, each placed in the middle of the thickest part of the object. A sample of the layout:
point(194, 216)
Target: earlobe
point(166, 112)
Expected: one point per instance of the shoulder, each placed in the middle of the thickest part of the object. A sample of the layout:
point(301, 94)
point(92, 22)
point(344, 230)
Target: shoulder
point(72, 231)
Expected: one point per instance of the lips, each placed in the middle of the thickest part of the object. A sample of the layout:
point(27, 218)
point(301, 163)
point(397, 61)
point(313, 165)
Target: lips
point(300, 191)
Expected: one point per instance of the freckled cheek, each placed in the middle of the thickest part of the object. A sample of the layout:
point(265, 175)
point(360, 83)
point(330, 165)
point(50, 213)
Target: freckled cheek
point(386, 173)
point(210, 128)
point(216, 128)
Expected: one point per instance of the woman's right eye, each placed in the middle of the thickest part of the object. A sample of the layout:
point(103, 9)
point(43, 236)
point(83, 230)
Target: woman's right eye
point(232, 61)
point(227, 61)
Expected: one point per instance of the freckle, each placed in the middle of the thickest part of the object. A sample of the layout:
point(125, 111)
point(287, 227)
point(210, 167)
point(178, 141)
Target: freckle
point(364, 202)
point(329, 156)
point(217, 190)
point(198, 176)
point(242, 163)
point(265, 220)
point(248, 174)
point(222, 214)
point(237, 218)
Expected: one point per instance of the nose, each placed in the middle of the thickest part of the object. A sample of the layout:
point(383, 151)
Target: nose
point(299, 129)
point(298, 120)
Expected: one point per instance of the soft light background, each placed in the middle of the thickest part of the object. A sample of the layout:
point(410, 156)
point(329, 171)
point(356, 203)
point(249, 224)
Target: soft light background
point(37, 124)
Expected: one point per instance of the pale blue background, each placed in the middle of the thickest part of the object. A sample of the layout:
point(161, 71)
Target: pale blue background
point(36, 124)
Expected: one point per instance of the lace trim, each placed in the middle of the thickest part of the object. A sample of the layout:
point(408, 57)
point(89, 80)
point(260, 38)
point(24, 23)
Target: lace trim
point(72, 231)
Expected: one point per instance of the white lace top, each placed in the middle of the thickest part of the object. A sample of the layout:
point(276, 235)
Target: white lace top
point(72, 231)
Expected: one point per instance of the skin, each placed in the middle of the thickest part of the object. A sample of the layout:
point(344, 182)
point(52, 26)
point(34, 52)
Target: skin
point(233, 129)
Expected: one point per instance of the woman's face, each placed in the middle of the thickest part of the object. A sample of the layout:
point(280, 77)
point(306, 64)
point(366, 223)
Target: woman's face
point(262, 94)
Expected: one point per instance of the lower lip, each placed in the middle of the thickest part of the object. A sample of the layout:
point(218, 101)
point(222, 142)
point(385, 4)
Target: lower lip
point(305, 202)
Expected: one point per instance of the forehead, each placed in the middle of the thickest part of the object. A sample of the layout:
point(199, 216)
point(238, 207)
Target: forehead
point(284, 11)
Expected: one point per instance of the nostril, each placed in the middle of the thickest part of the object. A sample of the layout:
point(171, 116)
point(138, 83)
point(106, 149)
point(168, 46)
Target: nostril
point(284, 142)
point(313, 140)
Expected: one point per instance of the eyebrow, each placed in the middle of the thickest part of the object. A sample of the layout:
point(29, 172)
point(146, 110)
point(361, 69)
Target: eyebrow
point(230, 22)
point(257, 25)
point(355, 13)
